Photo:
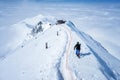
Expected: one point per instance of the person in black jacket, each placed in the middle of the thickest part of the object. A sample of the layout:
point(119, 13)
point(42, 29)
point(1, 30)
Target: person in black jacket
point(78, 48)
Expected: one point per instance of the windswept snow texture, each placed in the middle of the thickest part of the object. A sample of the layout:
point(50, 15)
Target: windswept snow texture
point(28, 59)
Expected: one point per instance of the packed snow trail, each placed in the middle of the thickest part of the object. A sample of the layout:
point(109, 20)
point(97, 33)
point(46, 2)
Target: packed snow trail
point(58, 62)
point(67, 73)
point(109, 64)
point(81, 68)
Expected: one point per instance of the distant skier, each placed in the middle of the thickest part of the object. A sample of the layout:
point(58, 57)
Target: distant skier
point(78, 48)
point(57, 33)
point(46, 45)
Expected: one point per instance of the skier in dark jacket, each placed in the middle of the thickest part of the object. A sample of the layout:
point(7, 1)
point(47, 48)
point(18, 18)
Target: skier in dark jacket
point(78, 48)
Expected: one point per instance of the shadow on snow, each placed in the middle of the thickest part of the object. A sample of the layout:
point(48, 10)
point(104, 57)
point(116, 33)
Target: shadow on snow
point(85, 54)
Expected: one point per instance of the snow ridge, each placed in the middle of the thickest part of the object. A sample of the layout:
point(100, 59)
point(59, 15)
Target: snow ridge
point(104, 67)
point(110, 68)
point(57, 59)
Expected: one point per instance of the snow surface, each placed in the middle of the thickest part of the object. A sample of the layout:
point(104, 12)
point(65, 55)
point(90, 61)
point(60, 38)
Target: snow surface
point(99, 20)
point(28, 59)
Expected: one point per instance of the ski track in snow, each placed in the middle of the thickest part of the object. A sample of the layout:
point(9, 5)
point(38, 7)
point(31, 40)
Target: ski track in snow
point(67, 73)
point(110, 69)
point(63, 69)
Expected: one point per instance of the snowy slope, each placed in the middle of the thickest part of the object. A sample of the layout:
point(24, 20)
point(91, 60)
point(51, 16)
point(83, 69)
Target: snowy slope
point(17, 34)
point(33, 61)
point(109, 65)
point(99, 20)
point(29, 60)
